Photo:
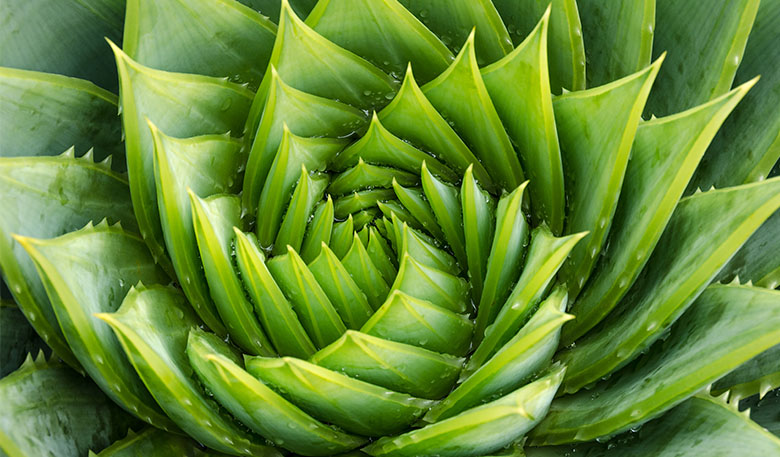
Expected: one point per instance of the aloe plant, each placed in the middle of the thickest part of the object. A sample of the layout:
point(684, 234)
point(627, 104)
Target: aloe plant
point(390, 227)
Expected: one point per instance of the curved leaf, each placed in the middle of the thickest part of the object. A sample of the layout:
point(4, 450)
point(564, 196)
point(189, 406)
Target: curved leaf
point(365, 273)
point(757, 259)
point(152, 442)
point(758, 375)
point(446, 205)
point(365, 176)
point(308, 192)
point(431, 284)
point(479, 222)
point(319, 230)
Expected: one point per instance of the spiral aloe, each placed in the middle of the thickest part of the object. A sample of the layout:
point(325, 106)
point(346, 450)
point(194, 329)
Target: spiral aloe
point(390, 227)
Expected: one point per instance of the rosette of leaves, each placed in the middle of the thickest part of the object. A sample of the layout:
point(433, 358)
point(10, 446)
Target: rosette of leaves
point(392, 227)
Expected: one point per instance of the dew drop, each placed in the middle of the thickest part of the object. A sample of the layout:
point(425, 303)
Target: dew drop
point(99, 359)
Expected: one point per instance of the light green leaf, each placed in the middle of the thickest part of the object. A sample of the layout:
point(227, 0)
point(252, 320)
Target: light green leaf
point(49, 409)
point(35, 105)
point(381, 255)
point(431, 284)
point(256, 405)
point(153, 442)
point(406, 319)
point(79, 286)
point(395, 210)
point(757, 259)
point(351, 404)
point(484, 429)
point(64, 37)
point(384, 33)
point(459, 94)
point(703, 233)
point(273, 310)
point(597, 129)
point(479, 210)
point(396, 366)
point(181, 105)
point(207, 37)
point(730, 324)
point(758, 375)
point(357, 201)
point(153, 324)
point(703, 59)
point(207, 165)
point(445, 204)
point(341, 237)
point(213, 219)
point(566, 49)
point(308, 191)
point(618, 37)
point(365, 273)
point(663, 158)
point(413, 199)
point(530, 122)
point(422, 248)
point(309, 301)
point(272, 8)
point(364, 176)
point(319, 230)
point(69, 193)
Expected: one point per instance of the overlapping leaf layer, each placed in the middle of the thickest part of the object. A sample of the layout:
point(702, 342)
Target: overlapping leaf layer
point(395, 227)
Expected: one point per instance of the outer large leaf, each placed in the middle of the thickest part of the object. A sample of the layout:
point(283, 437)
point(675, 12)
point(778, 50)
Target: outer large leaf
point(704, 231)
point(384, 33)
point(152, 442)
point(35, 105)
point(396, 366)
point(699, 426)
point(728, 323)
point(480, 430)
point(703, 59)
point(530, 122)
point(259, 407)
point(70, 193)
point(49, 409)
point(152, 325)
point(452, 21)
point(79, 287)
point(353, 405)
point(179, 166)
point(597, 129)
point(459, 94)
point(664, 155)
point(180, 105)
point(62, 37)
point(618, 37)
point(749, 142)
point(566, 49)
point(207, 37)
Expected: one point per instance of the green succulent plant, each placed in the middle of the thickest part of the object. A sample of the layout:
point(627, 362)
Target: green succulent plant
point(390, 227)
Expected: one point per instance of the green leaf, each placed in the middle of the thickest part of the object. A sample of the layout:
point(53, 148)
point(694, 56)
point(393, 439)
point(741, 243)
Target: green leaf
point(35, 105)
point(431, 284)
point(757, 259)
point(753, 128)
point(153, 324)
point(215, 38)
point(350, 302)
point(701, 425)
point(545, 256)
point(181, 105)
point(703, 233)
point(49, 409)
point(69, 193)
point(309, 301)
point(273, 310)
point(445, 203)
point(395, 366)
point(63, 37)
point(308, 191)
point(305, 115)
point(506, 257)
point(423, 249)
point(19, 338)
point(365, 273)
point(566, 49)
point(272, 8)
point(413, 199)
point(764, 411)
point(365, 176)
point(395, 210)
point(152, 442)
point(79, 286)
point(384, 33)
point(353, 405)
point(341, 237)
point(213, 219)
point(758, 375)
point(380, 147)
point(484, 429)
point(479, 209)
point(597, 129)
point(256, 405)
point(429, 130)
point(381, 255)
point(663, 158)
point(459, 94)
point(452, 21)
point(730, 324)
point(530, 122)
point(319, 230)
point(357, 201)
point(179, 165)
point(703, 60)
point(618, 37)
point(406, 319)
